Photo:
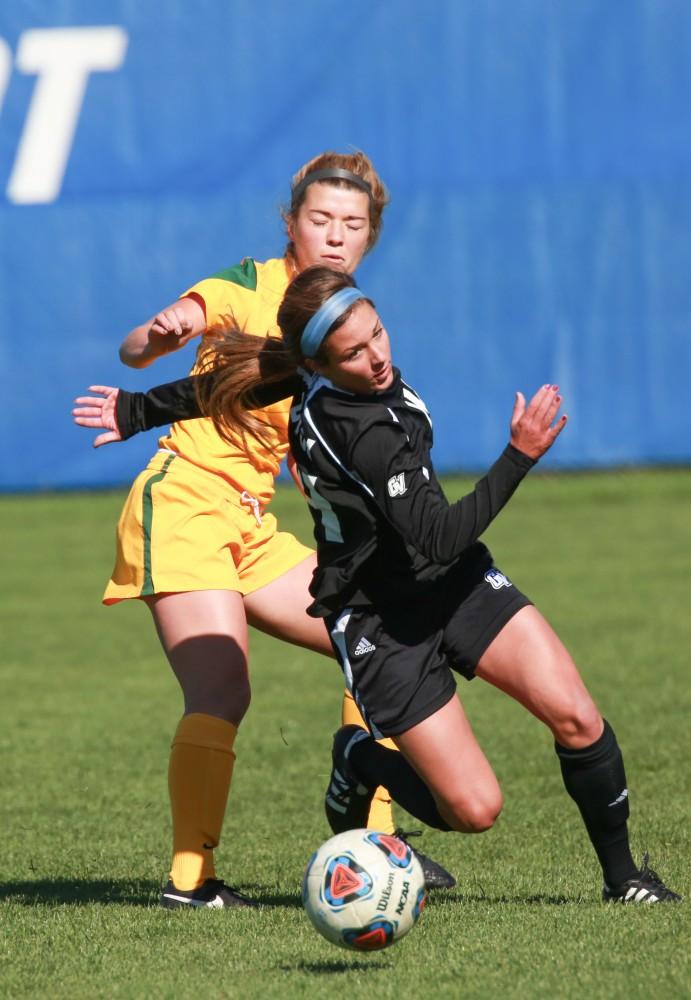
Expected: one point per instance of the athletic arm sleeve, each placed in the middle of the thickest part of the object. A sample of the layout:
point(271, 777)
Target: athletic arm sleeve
point(412, 501)
point(172, 401)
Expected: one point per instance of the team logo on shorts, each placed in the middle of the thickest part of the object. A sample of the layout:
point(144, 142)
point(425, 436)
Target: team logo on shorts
point(496, 579)
point(396, 485)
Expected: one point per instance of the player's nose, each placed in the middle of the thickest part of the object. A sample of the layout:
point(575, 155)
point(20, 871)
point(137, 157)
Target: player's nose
point(378, 356)
point(334, 235)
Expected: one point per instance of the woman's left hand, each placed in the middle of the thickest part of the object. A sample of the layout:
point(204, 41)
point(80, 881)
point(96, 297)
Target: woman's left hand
point(533, 430)
point(99, 411)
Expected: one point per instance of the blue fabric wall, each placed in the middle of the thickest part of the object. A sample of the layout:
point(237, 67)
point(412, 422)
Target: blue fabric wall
point(538, 156)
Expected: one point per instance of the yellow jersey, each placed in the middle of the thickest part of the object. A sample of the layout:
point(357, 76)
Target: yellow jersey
point(249, 294)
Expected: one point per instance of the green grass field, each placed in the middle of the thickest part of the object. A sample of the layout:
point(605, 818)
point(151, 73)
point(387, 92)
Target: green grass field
point(88, 708)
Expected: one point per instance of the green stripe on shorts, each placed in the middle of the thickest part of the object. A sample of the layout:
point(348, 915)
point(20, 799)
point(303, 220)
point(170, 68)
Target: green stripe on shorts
point(147, 522)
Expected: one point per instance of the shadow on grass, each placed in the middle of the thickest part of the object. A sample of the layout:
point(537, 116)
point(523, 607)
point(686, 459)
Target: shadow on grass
point(288, 902)
point(337, 967)
point(48, 892)
point(540, 899)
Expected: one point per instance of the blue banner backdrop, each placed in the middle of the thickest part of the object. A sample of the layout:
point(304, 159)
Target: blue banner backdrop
point(539, 162)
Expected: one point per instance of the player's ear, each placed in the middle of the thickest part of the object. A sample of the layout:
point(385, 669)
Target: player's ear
point(290, 226)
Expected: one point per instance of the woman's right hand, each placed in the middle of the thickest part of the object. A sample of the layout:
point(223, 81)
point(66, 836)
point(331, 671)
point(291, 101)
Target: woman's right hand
point(170, 330)
point(533, 430)
point(99, 411)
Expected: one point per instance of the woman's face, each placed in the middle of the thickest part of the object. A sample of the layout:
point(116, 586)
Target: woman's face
point(331, 228)
point(358, 354)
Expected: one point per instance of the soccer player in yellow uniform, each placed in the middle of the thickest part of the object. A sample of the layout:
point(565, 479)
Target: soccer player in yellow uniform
point(196, 542)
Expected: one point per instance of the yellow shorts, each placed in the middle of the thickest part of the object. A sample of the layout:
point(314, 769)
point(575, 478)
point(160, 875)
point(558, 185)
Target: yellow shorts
point(184, 529)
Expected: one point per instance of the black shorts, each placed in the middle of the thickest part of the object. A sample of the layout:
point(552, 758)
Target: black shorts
point(399, 663)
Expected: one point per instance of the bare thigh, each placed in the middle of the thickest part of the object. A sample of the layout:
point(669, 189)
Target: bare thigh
point(444, 752)
point(280, 609)
point(528, 661)
point(204, 635)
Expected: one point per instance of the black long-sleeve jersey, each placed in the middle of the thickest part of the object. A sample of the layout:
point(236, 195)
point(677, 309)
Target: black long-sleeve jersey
point(385, 532)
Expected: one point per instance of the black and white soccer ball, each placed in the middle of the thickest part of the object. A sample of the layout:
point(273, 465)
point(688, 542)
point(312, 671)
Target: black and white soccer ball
point(363, 890)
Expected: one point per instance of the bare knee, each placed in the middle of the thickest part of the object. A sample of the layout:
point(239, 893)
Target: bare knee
point(204, 635)
point(235, 703)
point(227, 701)
point(578, 723)
point(212, 672)
point(473, 814)
point(216, 686)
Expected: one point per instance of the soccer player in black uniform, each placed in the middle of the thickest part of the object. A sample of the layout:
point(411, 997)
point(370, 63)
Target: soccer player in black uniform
point(409, 594)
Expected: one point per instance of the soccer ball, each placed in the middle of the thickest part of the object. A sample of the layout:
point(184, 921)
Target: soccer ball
point(363, 890)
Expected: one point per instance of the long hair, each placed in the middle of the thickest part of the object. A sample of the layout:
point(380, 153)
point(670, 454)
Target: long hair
point(358, 163)
point(242, 363)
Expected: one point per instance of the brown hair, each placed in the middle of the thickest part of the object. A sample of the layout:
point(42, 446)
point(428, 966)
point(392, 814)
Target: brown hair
point(243, 363)
point(304, 296)
point(357, 163)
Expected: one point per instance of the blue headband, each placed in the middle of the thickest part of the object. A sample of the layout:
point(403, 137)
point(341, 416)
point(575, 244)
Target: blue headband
point(325, 317)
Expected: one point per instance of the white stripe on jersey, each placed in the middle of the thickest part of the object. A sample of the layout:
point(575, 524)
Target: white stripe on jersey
point(329, 518)
point(308, 417)
point(414, 401)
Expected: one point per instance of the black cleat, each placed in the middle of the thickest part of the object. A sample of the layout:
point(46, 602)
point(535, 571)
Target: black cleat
point(347, 802)
point(436, 876)
point(212, 894)
point(646, 887)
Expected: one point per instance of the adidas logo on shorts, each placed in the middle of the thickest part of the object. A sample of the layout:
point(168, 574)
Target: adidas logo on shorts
point(364, 646)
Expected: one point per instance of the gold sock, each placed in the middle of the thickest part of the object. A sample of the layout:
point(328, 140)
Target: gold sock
point(199, 773)
point(380, 813)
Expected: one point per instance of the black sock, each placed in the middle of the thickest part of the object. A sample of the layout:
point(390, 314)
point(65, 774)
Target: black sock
point(595, 779)
point(377, 765)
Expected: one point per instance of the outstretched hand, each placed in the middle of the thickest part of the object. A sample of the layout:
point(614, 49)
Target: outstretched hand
point(533, 430)
point(99, 411)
